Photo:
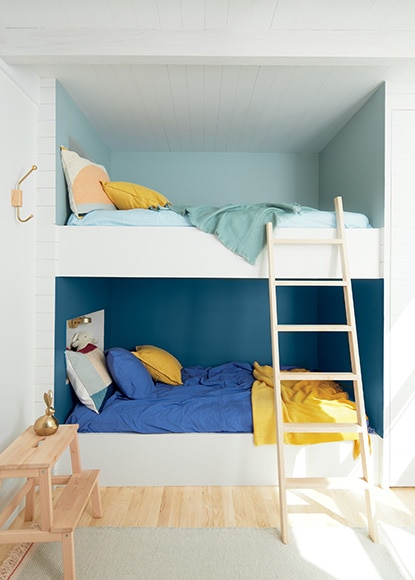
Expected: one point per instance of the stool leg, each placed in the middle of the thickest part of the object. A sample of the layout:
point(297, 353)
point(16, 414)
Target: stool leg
point(30, 504)
point(96, 502)
point(68, 554)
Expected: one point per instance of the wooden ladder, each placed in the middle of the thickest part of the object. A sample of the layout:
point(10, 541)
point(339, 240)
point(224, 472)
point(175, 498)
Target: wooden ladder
point(355, 376)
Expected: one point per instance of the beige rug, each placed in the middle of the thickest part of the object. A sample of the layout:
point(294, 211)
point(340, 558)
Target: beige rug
point(225, 554)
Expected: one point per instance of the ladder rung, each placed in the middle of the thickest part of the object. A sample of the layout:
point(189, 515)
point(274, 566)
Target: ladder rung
point(323, 376)
point(308, 241)
point(326, 482)
point(322, 428)
point(310, 283)
point(318, 376)
point(313, 328)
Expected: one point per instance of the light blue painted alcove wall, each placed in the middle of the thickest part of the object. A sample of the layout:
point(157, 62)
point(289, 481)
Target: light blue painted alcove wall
point(353, 163)
point(222, 178)
point(187, 178)
point(74, 131)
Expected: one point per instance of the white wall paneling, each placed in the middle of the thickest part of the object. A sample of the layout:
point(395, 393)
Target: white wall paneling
point(400, 287)
point(46, 246)
point(18, 117)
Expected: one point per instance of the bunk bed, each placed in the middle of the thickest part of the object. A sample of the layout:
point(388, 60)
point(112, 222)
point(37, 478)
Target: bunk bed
point(90, 249)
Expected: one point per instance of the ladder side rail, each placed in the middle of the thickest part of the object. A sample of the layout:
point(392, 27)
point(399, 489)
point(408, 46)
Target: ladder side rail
point(277, 386)
point(356, 368)
point(350, 312)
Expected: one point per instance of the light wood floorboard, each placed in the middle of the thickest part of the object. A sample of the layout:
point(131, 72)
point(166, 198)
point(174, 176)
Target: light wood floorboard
point(200, 507)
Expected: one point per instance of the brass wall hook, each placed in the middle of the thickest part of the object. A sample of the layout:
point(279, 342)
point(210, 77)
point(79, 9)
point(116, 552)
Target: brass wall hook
point(17, 196)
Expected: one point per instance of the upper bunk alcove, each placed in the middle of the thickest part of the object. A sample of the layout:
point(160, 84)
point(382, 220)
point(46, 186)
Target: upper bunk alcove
point(227, 160)
point(351, 165)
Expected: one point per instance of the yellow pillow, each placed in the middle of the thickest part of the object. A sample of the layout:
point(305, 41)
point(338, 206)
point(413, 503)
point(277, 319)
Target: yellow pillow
point(131, 195)
point(161, 365)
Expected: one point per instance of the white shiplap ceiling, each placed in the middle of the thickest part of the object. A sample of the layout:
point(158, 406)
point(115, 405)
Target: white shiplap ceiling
point(214, 75)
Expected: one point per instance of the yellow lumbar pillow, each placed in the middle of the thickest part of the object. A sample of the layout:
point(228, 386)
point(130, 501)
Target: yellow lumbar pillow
point(126, 195)
point(161, 365)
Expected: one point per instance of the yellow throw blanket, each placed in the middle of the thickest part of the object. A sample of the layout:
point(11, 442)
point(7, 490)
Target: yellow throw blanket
point(302, 402)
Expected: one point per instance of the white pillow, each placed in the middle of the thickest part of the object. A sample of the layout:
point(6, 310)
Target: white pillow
point(89, 377)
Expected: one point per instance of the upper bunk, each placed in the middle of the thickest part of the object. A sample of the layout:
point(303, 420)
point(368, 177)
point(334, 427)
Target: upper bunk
point(187, 252)
point(123, 229)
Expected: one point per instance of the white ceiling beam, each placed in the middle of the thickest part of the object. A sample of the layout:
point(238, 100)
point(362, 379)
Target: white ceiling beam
point(311, 47)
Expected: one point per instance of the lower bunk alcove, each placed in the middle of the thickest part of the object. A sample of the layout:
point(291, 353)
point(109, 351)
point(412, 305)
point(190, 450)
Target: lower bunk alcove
point(208, 322)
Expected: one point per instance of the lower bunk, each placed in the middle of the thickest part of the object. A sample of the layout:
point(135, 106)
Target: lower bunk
point(146, 421)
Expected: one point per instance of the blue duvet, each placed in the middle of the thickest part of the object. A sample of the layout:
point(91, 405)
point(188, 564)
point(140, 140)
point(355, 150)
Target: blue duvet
point(211, 400)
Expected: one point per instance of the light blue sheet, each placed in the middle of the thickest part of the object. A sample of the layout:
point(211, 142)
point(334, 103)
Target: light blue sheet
point(312, 218)
point(130, 217)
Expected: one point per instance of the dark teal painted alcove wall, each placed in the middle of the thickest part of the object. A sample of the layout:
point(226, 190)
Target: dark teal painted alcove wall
point(333, 348)
point(211, 321)
point(207, 321)
point(74, 297)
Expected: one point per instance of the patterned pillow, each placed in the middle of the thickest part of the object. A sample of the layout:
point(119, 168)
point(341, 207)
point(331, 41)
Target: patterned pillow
point(83, 181)
point(89, 377)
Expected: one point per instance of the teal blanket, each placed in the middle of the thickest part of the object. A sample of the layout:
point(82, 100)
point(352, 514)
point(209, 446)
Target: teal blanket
point(241, 228)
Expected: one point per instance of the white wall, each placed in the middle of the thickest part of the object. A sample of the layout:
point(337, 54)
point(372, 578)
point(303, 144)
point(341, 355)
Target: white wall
point(46, 250)
point(18, 122)
point(400, 285)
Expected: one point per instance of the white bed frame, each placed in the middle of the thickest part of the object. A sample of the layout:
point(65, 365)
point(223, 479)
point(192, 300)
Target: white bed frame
point(210, 459)
point(206, 459)
point(185, 252)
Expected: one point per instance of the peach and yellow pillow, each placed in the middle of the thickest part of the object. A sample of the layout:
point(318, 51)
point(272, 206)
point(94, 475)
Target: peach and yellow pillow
point(83, 180)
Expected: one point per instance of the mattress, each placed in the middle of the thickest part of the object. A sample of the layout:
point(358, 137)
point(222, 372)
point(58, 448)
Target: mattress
point(166, 245)
point(311, 218)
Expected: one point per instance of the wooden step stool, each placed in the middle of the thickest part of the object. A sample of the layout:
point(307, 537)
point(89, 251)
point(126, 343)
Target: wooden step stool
point(32, 457)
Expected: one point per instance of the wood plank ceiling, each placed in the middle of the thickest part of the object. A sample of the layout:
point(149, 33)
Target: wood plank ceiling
point(214, 75)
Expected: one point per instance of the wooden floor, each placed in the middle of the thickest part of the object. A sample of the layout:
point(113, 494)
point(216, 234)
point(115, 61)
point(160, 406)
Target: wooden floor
point(199, 507)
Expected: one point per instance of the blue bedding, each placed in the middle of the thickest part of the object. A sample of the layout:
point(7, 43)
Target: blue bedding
point(211, 400)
